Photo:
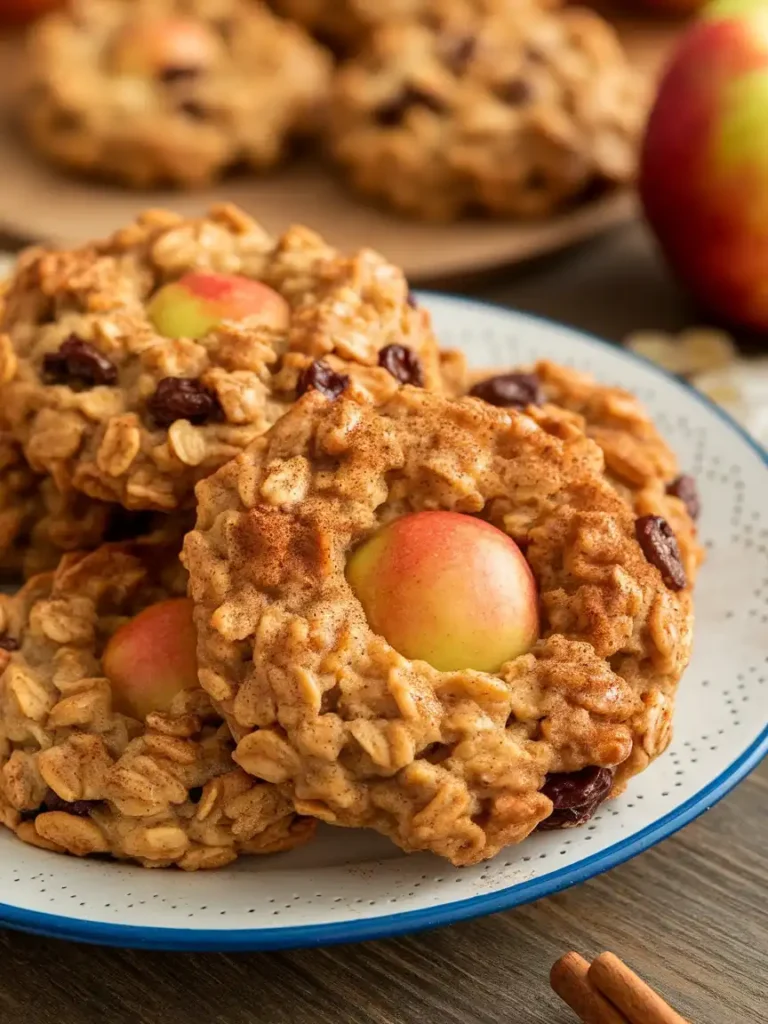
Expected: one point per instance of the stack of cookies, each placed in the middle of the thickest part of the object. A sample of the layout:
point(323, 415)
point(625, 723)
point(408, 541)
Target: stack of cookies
point(435, 108)
point(289, 561)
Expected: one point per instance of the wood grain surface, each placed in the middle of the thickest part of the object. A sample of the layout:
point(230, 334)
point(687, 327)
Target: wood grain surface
point(689, 915)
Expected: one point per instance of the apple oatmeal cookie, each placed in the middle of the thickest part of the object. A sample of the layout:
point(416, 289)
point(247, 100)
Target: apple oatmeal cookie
point(95, 758)
point(170, 91)
point(638, 461)
point(136, 366)
point(511, 114)
point(461, 763)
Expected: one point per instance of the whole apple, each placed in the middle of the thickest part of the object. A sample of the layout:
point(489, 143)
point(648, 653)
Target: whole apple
point(448, 589)
point(704, 166)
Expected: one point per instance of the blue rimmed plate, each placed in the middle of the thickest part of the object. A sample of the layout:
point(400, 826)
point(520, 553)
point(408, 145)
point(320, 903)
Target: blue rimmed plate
point(349, 886)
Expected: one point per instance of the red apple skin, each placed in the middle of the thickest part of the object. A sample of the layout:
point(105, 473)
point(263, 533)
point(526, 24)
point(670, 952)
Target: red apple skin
point(448, 589)
point(199, 302)
point(704, 165)
point(152, 658)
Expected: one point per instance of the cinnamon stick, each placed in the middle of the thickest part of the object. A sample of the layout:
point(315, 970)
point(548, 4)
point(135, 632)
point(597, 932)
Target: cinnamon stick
point(629, 993)
point(569, 979)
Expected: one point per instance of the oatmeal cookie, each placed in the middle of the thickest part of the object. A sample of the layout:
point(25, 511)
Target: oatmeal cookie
point(108, 405)
point(638, 461)
point(513, 114)
point(460, 763)
point(79, 773)
point(170, 91)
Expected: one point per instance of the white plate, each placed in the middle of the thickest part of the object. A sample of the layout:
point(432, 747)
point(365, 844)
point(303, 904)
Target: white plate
point(349, 886)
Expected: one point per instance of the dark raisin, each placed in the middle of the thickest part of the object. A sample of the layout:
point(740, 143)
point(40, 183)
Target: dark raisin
point(80, 808)
point(31, 815)
point(79, 363)
point(575, 796)
point(196, 794)
point(659, 544)
point(510, 390)
point(403, 364)
point(569, 817)
point(516, 92)
point(182, 398)
point(319, 376)
point(193, 109)
point(567, 790)
point(392, 113)
point(126, 525)
point(178, 74)
point(7, 643)
point(457, 52)
point(684, 488)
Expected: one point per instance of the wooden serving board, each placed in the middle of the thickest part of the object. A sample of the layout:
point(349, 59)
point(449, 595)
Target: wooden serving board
point(37, 202)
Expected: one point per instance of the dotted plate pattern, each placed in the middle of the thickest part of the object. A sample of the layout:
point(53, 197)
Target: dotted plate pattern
point(354, 885)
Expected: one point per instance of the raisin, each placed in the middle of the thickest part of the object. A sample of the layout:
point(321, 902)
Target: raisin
point(403, 364)
point(458, 52)
point(510, 390)
point(575, 796)
point(178, 74)
point(319, 376)
point(7, 643)
point(569, 817)
point(567, 790)
point(392, 113)
point(80, 808)
point(684, 488)
point(182, 398)
point(79, 362)
point(659, 544)
point(515, 92)
point(196, 794)
point(126, 525)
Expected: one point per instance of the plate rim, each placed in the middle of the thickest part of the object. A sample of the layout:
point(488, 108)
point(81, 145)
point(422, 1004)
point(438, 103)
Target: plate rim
point(390, 925)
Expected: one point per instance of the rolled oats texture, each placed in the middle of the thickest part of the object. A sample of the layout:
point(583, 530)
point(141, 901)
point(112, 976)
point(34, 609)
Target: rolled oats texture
point(353, 732)
point(108, 440)
point(79, 777)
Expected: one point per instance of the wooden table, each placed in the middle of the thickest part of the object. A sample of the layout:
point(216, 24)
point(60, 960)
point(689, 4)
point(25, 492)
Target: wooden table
point(689, 915)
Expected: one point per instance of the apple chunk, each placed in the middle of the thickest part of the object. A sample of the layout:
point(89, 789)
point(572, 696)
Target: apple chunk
point(448, 589)
point(152, 658)
point(199, 302)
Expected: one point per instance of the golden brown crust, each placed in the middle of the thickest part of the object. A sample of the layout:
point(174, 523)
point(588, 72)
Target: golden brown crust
point(638, 461)
point(359, 736)
point(266, 84)
point(77, 776)
point(102, 440)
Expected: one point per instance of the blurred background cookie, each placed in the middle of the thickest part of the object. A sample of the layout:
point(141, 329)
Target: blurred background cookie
point(171, 91)
point(511, 114)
